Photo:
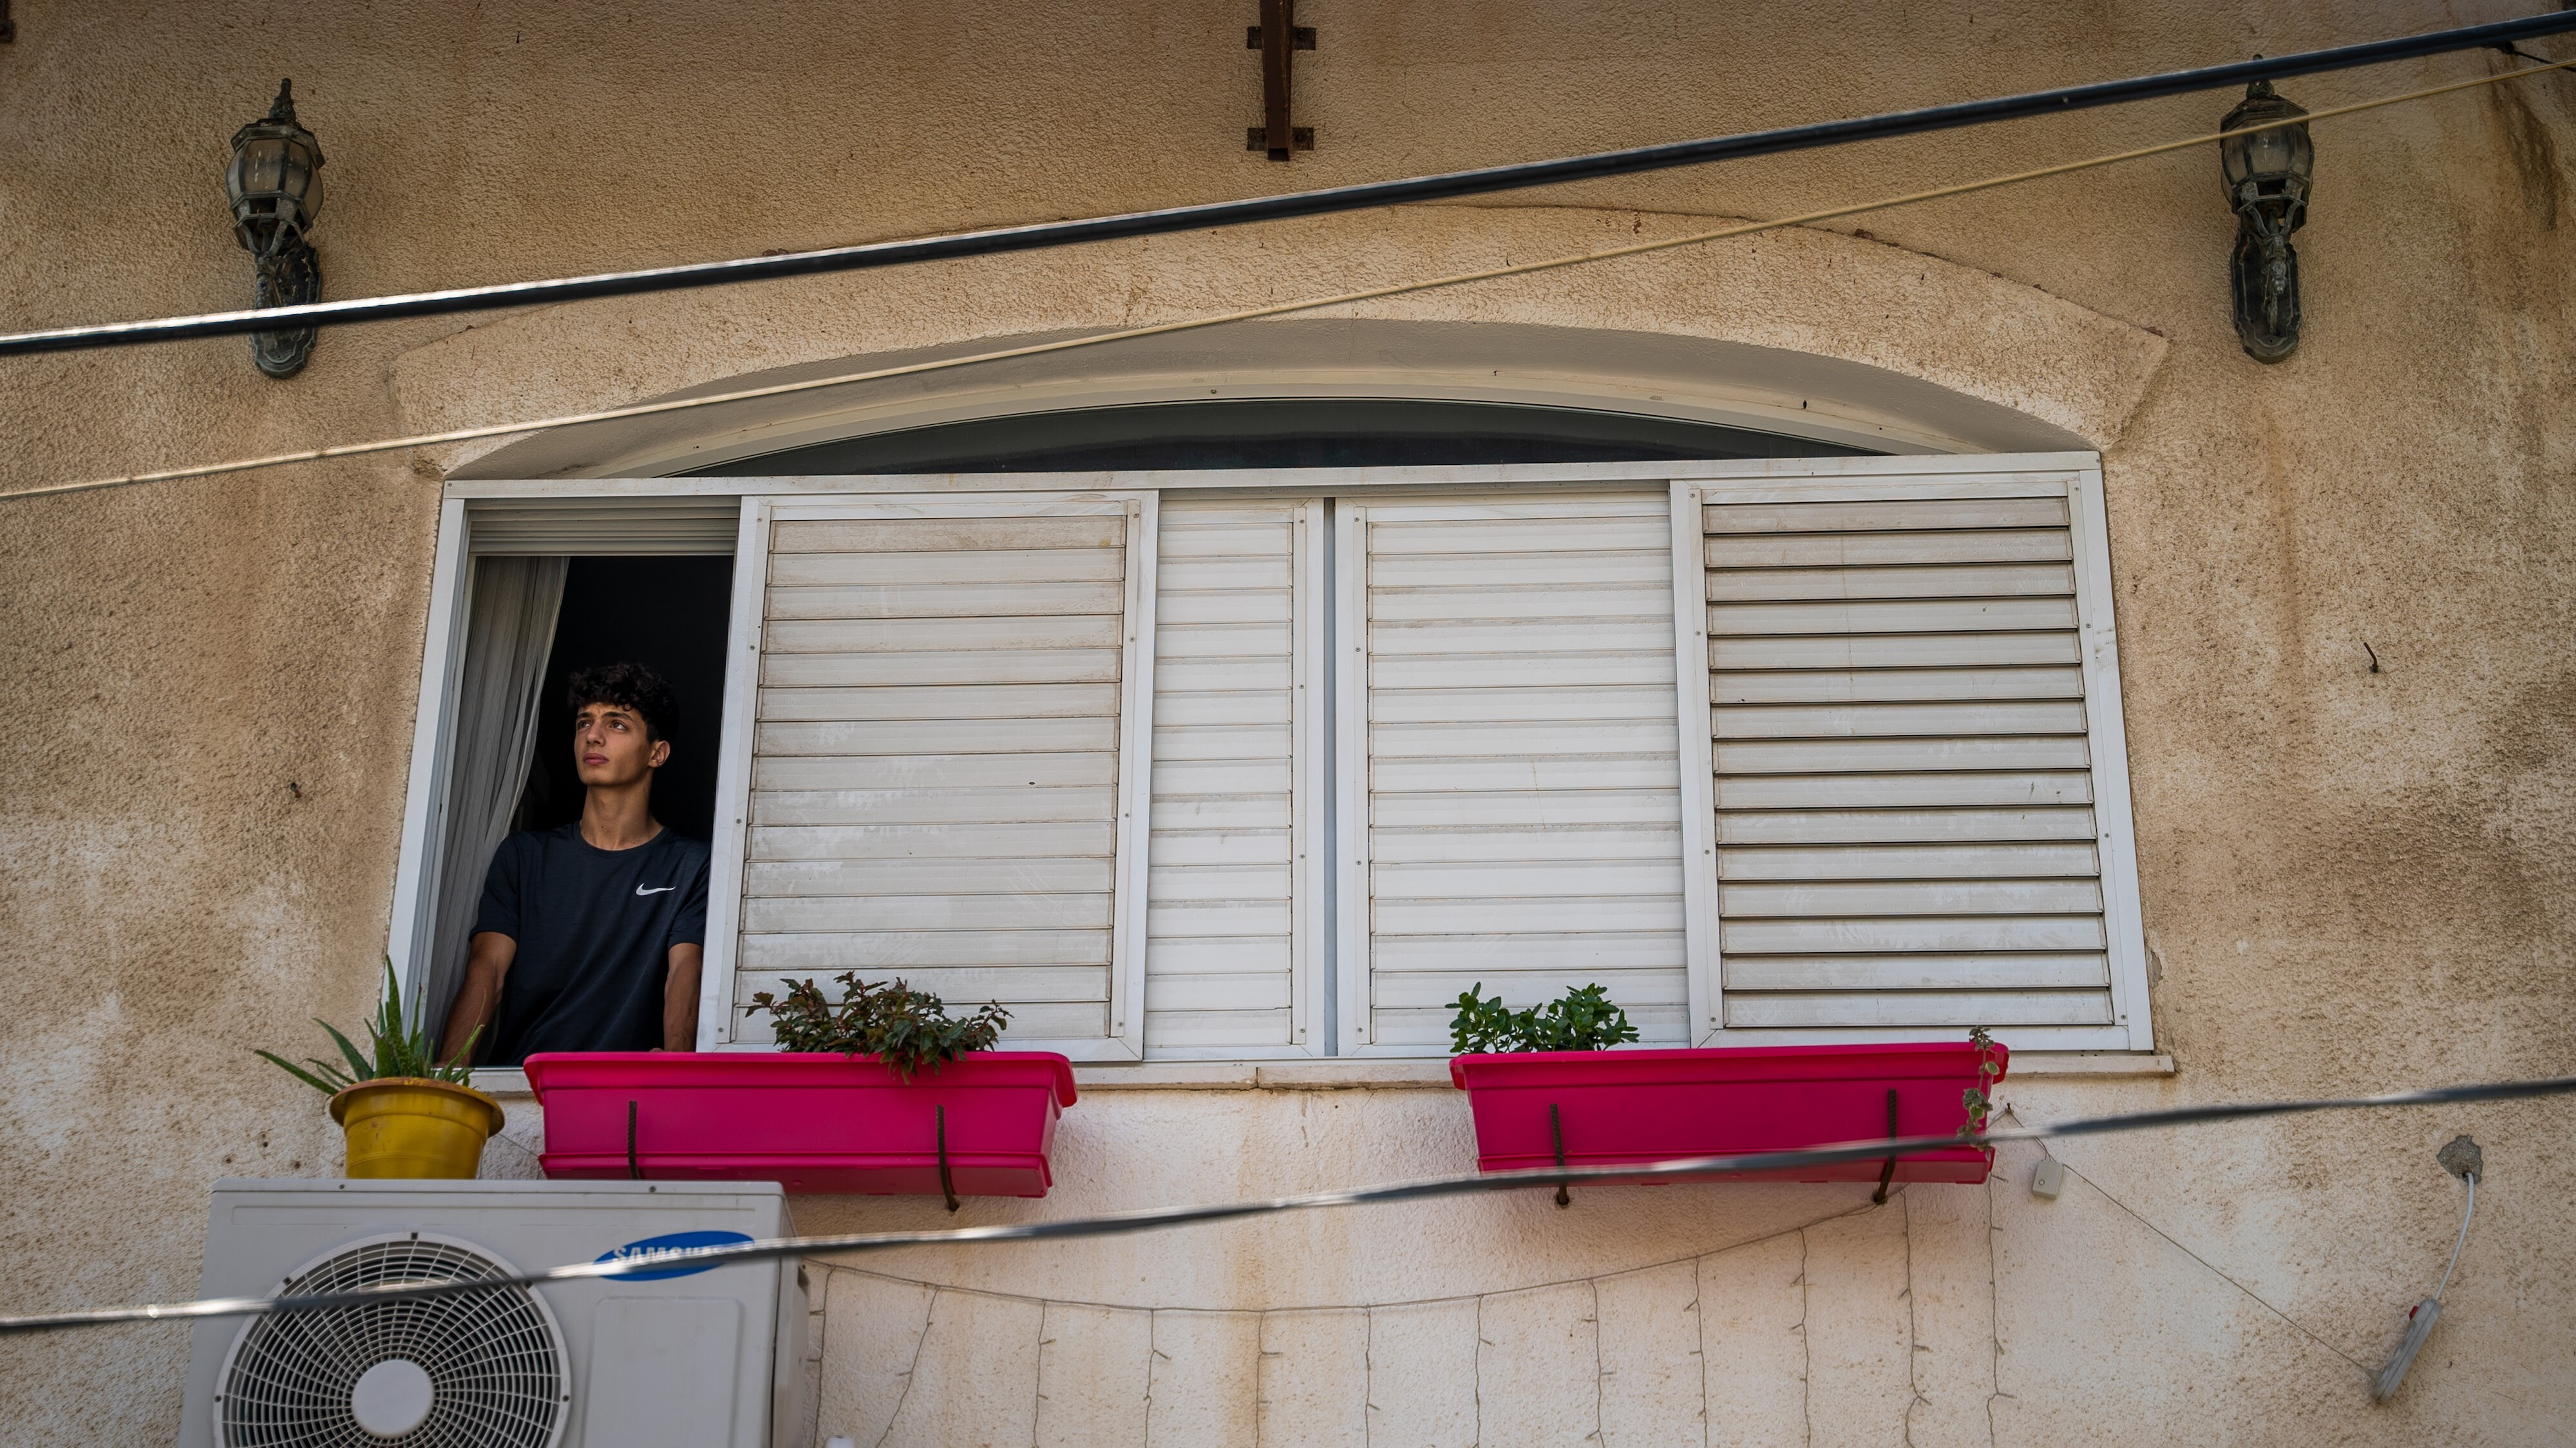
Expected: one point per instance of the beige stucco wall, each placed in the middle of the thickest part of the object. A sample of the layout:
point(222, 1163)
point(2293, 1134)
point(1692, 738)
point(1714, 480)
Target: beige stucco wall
point(2352, 880)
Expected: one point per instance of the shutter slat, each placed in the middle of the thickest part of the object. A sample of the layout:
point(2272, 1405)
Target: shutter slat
point(1932, 862)
point(1893, 651)
point(843, 772)
point(1525, 605)
point(952, 736)
point(1914, 897)
point(1955, 1009)
point(1868, 756)
point(1892, 616)
point(945, 600)
point(903, 841)
point(1884, 515)
point(961, 701)
point(926, 912)
point(1655, 845)
point(899, 950)
point(935, 635)
point(1903, 826)
point(982, 667)
point(981, 536)
point(1844, 721)
point(1856, 550)
point(1743, 585)
point(992, 565)
point(898, 875)
point(1834, 686)
point(2031, 970)
point(1900, 791)
point(935, 805)
point(1949, 934)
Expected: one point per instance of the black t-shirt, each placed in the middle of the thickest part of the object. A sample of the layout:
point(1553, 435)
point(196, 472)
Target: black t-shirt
point(595, 929)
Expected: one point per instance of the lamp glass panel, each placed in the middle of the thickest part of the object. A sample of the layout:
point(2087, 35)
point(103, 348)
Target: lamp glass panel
point(259, 167)
point(2269, 153)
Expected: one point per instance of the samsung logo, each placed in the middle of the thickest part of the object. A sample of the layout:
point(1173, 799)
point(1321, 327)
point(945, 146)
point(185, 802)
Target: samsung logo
point(670, 1245)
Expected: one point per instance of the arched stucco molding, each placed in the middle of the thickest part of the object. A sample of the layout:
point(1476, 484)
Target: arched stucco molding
point(1806, 332)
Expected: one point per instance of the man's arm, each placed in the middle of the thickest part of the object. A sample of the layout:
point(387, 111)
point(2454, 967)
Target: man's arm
point(480, 997)
point(680, 998)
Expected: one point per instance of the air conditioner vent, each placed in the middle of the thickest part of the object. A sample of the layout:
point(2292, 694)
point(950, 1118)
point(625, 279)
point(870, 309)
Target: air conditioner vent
point(475, 1370)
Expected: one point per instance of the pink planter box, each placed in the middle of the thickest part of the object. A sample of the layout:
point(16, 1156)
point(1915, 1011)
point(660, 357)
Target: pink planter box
point(815, 1123)
point(1622, 1107)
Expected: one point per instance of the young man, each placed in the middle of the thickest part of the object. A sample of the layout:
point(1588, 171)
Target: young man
point(590, 936)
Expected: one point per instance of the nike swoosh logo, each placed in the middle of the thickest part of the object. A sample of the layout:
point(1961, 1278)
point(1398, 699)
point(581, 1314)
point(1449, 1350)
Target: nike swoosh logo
point(657, 890)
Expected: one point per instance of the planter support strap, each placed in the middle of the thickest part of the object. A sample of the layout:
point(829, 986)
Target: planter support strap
point(1887, 1173)
point(947, 1185)
point(1556, 1127)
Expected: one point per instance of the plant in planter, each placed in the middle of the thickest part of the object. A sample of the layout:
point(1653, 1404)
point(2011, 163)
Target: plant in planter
point(1544, 1090)
point(1584, 1020)
point(909, 1030)
point(405, 1114)
point(882, 1091)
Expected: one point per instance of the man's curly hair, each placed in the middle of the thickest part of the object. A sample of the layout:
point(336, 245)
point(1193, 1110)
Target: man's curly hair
point(627, 686)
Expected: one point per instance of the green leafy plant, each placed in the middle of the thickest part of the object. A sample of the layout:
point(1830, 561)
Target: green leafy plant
point(909, 1030)
point(394, 1049)
point(1584, 1020)
point(1976, 1099)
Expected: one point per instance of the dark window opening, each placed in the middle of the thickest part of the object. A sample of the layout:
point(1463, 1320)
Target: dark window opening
point(1280, 433)
point(668, 614)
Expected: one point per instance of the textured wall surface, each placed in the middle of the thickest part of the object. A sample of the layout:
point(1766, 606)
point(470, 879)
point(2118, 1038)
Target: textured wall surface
point(2353, 879)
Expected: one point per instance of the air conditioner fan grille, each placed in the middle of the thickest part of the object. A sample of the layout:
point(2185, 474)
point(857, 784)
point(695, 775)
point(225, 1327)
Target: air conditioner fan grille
point(494, 1360)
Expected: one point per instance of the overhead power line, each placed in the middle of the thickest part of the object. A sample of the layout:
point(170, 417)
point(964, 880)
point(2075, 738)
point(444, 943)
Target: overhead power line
point(1118, 1224)
point(1279, 309)
point(1445, 186)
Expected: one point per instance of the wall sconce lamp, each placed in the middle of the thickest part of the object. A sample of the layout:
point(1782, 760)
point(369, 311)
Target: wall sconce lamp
point(2267, 184)
point(275, 185)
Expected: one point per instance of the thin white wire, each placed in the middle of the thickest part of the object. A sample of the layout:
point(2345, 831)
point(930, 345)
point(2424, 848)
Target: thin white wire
point(2464, 1238)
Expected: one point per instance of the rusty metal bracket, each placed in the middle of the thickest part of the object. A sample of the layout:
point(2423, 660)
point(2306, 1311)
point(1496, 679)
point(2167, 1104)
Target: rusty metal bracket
point(1278, 37)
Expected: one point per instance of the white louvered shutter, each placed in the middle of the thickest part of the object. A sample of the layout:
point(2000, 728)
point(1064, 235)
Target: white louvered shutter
point(1511, 807)
point(935, 784)
point(1230, 955)
point(656, 525)
point(1917, 771)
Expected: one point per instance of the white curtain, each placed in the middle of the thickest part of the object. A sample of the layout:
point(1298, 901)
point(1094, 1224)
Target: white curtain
point(509, 631)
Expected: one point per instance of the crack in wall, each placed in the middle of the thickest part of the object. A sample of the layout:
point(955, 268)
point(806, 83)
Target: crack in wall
point(1806, 1348)
point(929, 1315)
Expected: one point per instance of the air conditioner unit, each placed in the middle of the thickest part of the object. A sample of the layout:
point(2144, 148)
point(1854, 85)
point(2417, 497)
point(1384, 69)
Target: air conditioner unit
point(690, 1357)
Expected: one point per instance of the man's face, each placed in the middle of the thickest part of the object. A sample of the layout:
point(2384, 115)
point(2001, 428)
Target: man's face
point(609, 746)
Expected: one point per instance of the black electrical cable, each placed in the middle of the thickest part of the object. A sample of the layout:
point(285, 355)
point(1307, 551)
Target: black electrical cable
point(1157, 1218)
point(1444, 186)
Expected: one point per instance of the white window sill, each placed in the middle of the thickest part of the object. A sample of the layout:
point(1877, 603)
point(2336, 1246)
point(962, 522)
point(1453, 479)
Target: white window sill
point(1427, 1074)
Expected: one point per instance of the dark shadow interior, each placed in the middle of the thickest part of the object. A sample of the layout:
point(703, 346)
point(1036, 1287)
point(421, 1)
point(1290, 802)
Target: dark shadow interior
point(1278, 433)
point(667, 614)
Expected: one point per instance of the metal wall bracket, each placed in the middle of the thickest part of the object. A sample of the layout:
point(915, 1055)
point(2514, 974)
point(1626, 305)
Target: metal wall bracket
point(947, 1183)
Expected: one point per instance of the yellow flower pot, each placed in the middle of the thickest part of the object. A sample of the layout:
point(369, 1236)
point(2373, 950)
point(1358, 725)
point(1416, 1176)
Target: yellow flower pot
point(407, 1126)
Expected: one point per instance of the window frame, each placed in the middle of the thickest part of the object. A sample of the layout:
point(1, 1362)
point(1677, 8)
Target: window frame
point(1687, 483)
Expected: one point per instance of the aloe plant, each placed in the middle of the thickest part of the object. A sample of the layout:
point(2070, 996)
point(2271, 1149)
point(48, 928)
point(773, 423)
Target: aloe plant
point(397, 1050)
